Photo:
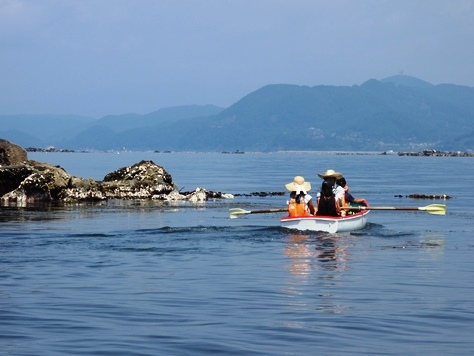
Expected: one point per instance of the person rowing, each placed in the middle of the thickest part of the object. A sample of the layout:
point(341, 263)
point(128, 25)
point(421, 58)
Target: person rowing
point(349, 199)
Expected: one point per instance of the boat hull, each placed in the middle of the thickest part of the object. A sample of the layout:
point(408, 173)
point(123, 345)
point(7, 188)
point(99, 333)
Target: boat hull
point(329, 224)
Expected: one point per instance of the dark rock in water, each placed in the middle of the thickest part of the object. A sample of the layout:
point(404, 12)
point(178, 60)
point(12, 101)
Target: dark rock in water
point(32, 182)
point(56, 177)
point(43, 182)
point(144, 173)
point(142, 180)
point(81, 189)
point(424, 196)
point(435, 153)
point(31, 190)
point(11, 154)
point(12, 176)
point(429, 196)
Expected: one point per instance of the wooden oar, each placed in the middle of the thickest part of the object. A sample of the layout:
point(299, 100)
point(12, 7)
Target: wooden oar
point(437, 209)
point(237, 213)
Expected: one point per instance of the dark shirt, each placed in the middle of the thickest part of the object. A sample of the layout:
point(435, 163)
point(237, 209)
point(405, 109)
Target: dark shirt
point(327, 207)
point(348, 197)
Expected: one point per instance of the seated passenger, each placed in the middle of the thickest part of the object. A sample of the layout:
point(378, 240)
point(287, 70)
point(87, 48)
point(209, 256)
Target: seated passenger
point(327, 203)
point(331, 177)
point(349, 199)
point(297, 205)
point(299, 195)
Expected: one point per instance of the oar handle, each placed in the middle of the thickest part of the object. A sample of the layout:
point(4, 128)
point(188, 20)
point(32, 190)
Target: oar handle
point(436, 209)
point(381, 208)
point(280, 210)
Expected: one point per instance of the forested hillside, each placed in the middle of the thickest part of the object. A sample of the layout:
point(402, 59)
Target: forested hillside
point(397, 113)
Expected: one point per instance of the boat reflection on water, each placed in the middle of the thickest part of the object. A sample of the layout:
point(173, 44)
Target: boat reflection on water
point(322, 252)
point(302, 255)
point(333, 253)
point(317, 264)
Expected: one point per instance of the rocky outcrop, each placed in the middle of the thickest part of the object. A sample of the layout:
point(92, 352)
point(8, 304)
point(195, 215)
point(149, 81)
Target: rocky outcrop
point(425, 196)
point(12, 176)
point(11, 154)
point(32, 182)
point(31, 190)
point(435, 153)
point(142, 180)
point(42, 182)
point(429, 196)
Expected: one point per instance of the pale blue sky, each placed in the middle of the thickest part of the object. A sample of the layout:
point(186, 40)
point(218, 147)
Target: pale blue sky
point(99, 57)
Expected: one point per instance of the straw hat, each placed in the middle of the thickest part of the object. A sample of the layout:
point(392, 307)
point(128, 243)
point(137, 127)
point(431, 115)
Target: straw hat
point(330, 173)
point(298, 185)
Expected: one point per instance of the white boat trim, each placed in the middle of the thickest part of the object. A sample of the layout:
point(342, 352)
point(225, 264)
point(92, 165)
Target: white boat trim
point(331, 224)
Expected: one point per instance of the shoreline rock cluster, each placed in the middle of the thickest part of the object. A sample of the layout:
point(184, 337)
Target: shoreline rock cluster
point(24, 181)
point(424, 153)
point(50, 149)
point(435, 153)
point(426, 196)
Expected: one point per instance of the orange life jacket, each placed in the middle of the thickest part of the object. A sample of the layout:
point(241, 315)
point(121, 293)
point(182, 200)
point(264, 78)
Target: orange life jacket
point(295, 209)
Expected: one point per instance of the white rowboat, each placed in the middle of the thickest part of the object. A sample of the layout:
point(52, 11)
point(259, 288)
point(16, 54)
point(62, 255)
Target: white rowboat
point(331, 224)
point(334, 224)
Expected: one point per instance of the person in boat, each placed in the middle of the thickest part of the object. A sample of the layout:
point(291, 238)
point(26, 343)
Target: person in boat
point(332, 176)
point(348, 198)
point(327, 203)
point(300, 203)
point(297, 205)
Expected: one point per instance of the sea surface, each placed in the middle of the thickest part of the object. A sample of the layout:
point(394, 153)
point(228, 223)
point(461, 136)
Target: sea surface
point(148, 278)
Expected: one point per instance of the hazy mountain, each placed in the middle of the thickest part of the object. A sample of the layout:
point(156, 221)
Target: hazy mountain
point(21, 138)
point(399, 113)
point(133, 121)
point(41, 130)
point(407, 81)
point(78, 132)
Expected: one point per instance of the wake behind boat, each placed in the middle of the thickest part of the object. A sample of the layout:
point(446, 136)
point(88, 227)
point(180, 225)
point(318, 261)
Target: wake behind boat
point(331, 224)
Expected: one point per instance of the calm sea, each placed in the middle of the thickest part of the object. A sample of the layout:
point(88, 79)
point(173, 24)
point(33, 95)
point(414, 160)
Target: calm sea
point(142, 278)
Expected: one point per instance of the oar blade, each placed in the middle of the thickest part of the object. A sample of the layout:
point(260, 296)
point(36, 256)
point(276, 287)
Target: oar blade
point(436, 209)
point(235, 213)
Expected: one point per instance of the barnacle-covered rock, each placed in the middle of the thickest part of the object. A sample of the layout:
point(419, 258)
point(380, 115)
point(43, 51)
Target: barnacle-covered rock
point(32, 189)
point(34, 181)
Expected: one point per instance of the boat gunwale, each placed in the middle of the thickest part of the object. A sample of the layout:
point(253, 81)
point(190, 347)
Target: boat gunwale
point(322, 217)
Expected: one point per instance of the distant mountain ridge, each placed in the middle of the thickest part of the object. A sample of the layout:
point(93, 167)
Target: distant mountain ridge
point(407, 81)
point(132, 121)
point(397, 113)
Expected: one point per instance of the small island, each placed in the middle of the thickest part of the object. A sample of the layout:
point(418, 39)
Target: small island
point(24, 181)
